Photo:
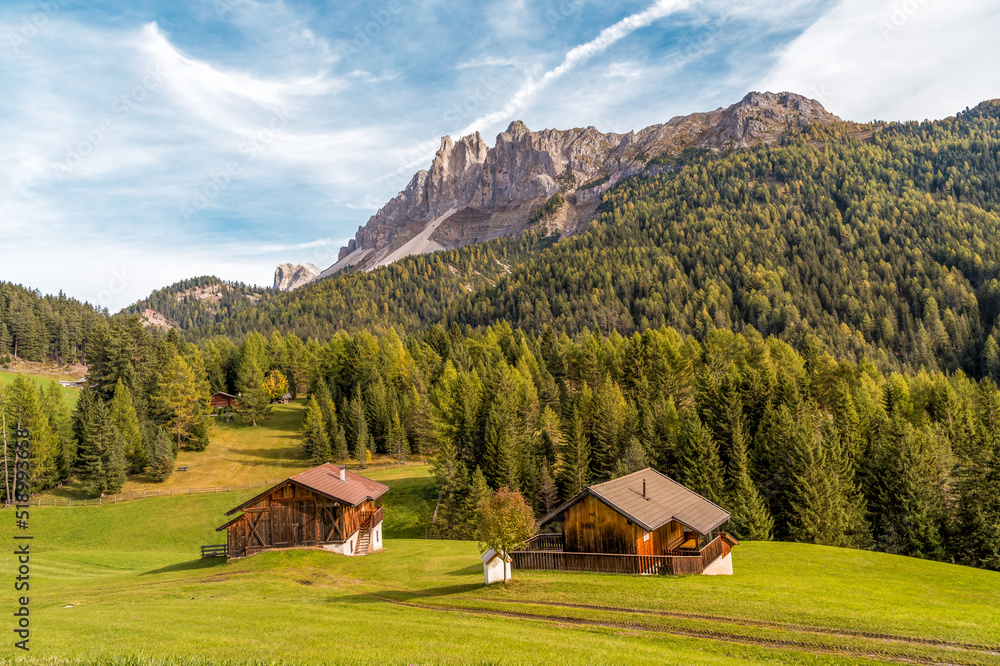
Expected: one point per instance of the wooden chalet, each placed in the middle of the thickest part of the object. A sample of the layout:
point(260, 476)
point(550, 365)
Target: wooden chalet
point(220, 400)
point(326, 506)
point(642, 523)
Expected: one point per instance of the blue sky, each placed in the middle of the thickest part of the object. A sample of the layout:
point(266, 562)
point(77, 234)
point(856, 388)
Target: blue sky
point(150, 141)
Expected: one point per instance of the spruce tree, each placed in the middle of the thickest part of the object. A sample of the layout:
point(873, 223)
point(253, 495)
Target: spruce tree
point(635, 458)
point(314, 438)
point(362, 440)
point(255, 398)
point(548, 492)
point(479, 489)
point(575, 473)
point(102, 453)
point(399, 446)
point(750, 518)
point(124, 419)
point(339, 446)
point(819, 497)
point(161, 455)
point(699, 465)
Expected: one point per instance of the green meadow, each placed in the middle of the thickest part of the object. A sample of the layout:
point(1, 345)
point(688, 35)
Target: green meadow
point(124, 584)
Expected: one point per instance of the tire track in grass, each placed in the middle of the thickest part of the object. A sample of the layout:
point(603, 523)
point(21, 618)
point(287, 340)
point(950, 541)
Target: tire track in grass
point(992, 650)
point(772, 643)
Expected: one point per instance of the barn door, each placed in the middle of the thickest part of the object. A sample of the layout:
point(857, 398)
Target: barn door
point(282, 514)
point(308, 520)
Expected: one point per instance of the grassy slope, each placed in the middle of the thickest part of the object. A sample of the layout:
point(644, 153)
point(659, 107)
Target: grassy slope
point(69, 394)
point(237, 454)
point(129, 568)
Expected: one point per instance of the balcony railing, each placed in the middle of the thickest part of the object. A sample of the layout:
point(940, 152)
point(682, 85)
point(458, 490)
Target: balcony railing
point(544, 552)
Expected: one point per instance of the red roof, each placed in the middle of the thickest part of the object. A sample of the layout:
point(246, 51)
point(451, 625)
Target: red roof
point(325, 480)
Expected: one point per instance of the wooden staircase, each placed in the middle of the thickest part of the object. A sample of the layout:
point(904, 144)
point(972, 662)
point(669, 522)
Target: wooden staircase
point(364, 540)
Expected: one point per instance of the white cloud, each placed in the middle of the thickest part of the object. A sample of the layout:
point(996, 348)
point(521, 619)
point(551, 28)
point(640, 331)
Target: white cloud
point(895, 59)
point(575, 57)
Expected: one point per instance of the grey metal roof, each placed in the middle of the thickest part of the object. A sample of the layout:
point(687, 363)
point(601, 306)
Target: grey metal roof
point(665, 500)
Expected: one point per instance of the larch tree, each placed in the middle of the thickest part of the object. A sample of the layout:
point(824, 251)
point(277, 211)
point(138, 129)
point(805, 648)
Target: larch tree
point(180, 405)
point(505, 521)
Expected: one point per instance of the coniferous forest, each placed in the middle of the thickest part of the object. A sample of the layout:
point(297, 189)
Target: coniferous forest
point(804, 332)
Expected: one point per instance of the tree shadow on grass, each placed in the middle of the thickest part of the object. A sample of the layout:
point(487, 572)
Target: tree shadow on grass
point(190, 565)
point(467, 571)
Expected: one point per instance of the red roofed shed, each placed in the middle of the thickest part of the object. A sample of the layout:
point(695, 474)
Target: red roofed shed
point(325, 506)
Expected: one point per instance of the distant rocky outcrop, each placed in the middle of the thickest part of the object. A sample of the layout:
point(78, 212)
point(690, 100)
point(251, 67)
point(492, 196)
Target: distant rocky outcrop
point(472, 192)
point(153, 318)
point(292, 276)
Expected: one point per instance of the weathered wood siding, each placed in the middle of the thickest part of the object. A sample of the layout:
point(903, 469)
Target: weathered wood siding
point(591, 526)
point(292, 516)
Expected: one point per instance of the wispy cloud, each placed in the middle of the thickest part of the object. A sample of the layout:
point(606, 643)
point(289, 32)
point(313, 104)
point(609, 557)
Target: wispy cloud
point(295, 121)
point(573, 58)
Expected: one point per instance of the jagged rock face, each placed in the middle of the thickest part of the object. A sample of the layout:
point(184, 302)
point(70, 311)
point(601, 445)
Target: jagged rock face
point(292, 276)
point(524, 166)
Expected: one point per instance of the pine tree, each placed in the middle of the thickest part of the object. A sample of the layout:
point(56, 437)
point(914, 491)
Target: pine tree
point(314, 438)
point(635, 458)
point(340, 448)
point(575, 473)
point(255, 398)
point(750, 518)
point(700, 467)
point(362, 440)
point(102, 454)
point(161, 455)
point(399, 446)
point(548, 492)
point(124, 419)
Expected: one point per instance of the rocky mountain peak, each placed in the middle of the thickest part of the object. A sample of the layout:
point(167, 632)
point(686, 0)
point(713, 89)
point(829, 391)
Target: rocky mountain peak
point(473, 192)
point(292, 276)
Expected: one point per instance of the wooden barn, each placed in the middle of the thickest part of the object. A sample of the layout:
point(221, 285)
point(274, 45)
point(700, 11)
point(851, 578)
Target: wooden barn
point(644, 522)
point(220, 400)
point(326, 506)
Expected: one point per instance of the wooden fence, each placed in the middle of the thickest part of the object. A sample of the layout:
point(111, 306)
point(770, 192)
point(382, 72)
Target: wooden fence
point(594, 562)
point(143, 494)
point(546, 554)
point(552, 541)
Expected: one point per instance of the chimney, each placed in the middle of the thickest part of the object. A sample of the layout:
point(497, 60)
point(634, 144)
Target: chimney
point(343, 472)
point(644, 487)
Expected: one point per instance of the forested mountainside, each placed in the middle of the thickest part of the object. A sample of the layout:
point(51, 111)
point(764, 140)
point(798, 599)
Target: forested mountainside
point(199, 301)
point(803, 332)
point(868, 241)
point(474, 192)
point(44, 328)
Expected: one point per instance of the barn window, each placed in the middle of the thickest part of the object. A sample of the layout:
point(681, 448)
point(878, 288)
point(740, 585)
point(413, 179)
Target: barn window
point(645, 535)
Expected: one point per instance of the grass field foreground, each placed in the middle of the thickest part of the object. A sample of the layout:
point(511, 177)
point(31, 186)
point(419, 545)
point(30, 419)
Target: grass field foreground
point(114, 582)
